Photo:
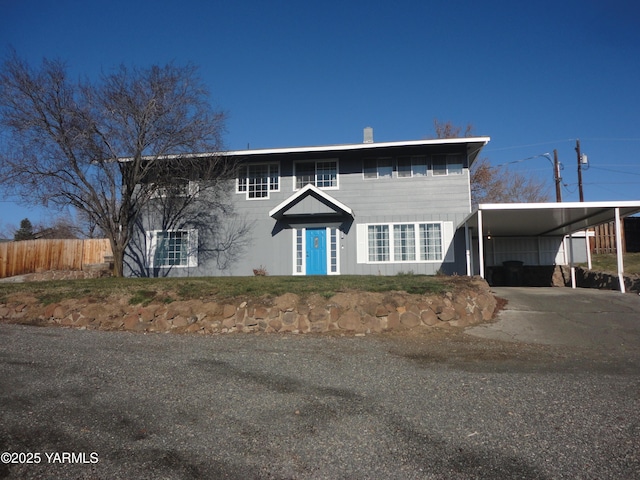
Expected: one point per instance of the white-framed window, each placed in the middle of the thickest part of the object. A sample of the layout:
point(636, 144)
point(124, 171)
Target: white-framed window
point(405, 242)
point(377, 168)
point(416, 166)
point(378, 242)
point(319, 173)
point(179, 188)
point(258, 180)
point(450, 164)
point(172, 248)
point(300, 251)
point(430, 241)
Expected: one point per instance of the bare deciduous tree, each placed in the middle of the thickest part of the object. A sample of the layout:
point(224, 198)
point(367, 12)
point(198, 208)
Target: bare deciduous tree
point(500, 185)
point(91, 145)
point(493, 184)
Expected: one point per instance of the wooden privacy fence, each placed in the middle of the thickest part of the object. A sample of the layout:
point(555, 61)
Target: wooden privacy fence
point(31, 256)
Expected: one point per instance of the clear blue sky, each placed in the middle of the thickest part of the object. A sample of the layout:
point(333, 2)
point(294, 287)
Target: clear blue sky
point(534, 76)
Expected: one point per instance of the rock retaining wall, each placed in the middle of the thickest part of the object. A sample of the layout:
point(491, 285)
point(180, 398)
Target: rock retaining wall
point(353, 312)
point(606, 281)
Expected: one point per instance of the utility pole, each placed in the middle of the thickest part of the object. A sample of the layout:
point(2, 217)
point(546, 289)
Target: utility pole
point(579, 170)
point(556, 175)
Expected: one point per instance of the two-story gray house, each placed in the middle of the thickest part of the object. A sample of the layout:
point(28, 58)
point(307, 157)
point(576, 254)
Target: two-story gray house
point(366, 208)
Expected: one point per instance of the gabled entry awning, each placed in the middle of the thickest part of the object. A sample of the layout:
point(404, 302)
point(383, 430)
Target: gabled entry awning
point(546, 219)
point(310, 201)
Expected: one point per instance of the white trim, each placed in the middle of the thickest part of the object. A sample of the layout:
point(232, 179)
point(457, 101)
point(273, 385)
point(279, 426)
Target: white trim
point(551, 206)
point(309, 190)
point(329, 272)
point(353, 146)
point(295, 251)
point(448, 248)
point(619, 255)
point(324, 148)
point(362, 253)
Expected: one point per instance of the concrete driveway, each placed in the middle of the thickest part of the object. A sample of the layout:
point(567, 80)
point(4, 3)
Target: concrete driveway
point(600, 319)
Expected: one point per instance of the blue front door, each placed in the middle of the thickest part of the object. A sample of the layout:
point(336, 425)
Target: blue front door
point(316, 251)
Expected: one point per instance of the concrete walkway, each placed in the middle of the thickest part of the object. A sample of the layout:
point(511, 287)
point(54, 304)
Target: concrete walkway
point(601, 319)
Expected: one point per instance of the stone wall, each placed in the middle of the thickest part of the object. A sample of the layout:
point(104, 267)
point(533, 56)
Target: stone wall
point(606, 281)
point(352, 312)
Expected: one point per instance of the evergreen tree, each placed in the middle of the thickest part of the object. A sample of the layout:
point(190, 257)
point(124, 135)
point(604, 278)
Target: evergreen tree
point(25, 232)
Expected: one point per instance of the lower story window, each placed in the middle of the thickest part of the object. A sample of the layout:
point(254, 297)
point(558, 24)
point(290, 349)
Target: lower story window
point(430, 241)
point(405, 242)
point(173, 248)
point(378, 243)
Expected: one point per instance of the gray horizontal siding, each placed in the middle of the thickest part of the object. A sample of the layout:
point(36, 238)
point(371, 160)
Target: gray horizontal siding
point(270, 245)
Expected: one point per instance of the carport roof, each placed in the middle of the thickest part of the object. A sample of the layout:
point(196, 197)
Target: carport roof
point(546, 219)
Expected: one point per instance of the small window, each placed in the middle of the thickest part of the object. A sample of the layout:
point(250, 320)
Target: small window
point(377, 168)
point(412, 167)
point(439, 164)
point(448, 164)
point(454, 164)
point(370, 168)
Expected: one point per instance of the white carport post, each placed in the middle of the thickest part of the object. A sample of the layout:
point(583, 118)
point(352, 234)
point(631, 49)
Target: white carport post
point(480, 243)
point(619, 250)
point(468, 249)
point(572, 267)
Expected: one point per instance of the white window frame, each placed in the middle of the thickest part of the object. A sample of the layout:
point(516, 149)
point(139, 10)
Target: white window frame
point(315, 180)
point(192, 248)
point(300, 245)
point(192, 190)
point(273, 171)
point(446, 238)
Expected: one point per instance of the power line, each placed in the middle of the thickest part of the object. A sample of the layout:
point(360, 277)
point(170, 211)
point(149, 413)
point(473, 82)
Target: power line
point(529, 145)
point(616, 171)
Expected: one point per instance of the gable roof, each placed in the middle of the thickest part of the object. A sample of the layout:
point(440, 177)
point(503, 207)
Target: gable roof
point(330, 204)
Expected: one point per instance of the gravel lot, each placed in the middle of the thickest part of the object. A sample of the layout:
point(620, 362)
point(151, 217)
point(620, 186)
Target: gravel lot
point(449, 406)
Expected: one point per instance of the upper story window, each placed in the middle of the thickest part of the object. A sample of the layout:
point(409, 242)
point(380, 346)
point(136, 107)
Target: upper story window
point(319, 173)
point(412, 166)
point(447, 164)
point(378, 167)
point(257, 180)
point(178, 188)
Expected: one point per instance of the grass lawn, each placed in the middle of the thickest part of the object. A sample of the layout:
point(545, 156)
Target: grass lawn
point(609, 263)
point(146, 290)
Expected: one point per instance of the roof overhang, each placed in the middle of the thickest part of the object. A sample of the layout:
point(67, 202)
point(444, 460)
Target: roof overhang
point(334, 207)
point(473, 147)
point(546, 219)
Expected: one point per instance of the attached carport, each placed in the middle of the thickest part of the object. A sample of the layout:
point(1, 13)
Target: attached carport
point(540, 221)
